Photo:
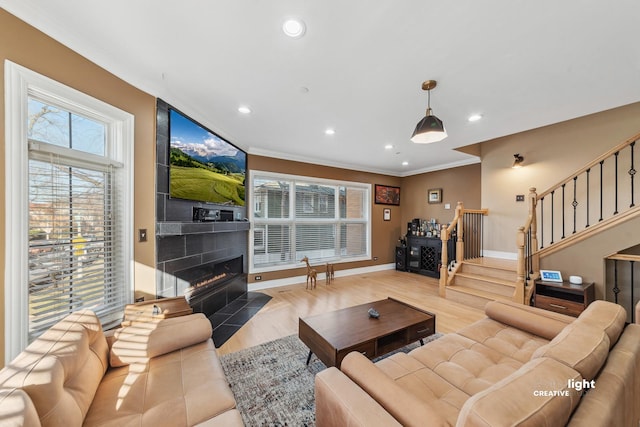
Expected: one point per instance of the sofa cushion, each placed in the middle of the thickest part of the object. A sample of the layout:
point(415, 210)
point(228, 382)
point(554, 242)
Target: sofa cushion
point(184, 387)
point(504, 339)
point(426, 385)
point(468, 365)
point(143, 340)
point(525, 398)
point(607, 316)
point(403, 405)
point(536, 321)
point(615, 399)
point(580, 346)
point(61, 370)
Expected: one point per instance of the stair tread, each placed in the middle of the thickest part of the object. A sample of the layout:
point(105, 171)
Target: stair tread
point(497, 263)
point(479, 293)
point(509, 283)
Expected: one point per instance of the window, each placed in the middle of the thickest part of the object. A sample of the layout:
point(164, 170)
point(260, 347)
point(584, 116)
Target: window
point(69, 215)
point(327, 221)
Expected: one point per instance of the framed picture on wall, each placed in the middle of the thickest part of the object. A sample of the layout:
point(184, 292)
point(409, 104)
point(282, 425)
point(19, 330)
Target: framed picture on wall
point(387, 195)
point(434, 195)
point(386, 214)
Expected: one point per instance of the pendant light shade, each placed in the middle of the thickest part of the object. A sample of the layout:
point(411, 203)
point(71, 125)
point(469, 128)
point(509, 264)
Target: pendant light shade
point(430, 128)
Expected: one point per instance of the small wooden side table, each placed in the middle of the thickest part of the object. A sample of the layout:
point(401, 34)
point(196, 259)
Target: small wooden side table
point(565, 297)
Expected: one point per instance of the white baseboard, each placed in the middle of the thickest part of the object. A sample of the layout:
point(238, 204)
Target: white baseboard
point(276, 283)
point(499, 254)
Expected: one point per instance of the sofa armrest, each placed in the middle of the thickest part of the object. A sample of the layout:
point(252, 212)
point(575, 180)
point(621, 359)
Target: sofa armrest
point(340, 402)
point(543, 323)
point(16, 408)
point(144, 340)
point(403, 405)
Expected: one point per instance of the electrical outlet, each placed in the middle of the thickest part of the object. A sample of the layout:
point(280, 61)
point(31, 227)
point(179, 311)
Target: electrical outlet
point(375, 258)
point(256, 278)
point(519, 197)
point(142, 235)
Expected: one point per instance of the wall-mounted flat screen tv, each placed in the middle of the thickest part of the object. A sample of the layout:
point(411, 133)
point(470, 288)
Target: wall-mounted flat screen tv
point(203, 166)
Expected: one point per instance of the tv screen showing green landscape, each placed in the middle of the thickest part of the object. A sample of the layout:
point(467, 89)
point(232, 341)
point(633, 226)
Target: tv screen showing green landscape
point(204, 166)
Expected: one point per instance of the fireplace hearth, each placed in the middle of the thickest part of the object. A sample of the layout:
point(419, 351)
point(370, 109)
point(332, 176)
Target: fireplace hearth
point(209, 287)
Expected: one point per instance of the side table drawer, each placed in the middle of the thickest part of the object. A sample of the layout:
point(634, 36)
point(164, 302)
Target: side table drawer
point(421, 330)
point(559, 305)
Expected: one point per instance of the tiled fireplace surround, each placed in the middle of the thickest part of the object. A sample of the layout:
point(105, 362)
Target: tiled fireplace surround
point(182, 243)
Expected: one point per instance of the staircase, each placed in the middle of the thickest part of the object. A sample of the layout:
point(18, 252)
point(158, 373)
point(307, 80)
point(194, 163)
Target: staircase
point(480, 280)
point(593, 200)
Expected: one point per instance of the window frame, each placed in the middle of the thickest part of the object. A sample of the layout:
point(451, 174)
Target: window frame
point(20, 84)
point(292, 220)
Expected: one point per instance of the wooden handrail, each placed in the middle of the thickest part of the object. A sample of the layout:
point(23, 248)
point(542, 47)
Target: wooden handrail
point(591, 164)
point(624, 257)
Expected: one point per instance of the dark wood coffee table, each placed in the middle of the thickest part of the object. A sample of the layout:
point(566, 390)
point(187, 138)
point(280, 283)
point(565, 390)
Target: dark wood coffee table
point(331, 336)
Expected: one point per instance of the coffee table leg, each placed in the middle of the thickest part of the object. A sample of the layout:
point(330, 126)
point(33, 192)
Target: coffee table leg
point(421, 341)
point(309, 356)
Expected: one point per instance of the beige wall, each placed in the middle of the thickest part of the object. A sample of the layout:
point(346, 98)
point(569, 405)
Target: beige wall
point(551, 154)
point(385, 234)
point(30, 48)
point(461, 184)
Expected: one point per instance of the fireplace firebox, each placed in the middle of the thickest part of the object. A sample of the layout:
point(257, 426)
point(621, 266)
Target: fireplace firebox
point(209, 287)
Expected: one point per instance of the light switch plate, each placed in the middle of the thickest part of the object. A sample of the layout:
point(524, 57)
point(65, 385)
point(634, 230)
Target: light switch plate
point(142, 235)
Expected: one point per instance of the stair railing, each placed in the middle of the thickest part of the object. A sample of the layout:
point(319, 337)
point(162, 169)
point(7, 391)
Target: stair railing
point(466, 227)
point(590, 198)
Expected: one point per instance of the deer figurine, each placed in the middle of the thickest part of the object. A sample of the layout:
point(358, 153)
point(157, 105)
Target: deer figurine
point(330, 273)
point(311, 274)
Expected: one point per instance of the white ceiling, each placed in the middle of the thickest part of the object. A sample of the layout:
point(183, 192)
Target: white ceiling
point(521, 64)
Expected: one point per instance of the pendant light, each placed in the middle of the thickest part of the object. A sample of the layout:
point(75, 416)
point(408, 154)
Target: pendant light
point(430, 128)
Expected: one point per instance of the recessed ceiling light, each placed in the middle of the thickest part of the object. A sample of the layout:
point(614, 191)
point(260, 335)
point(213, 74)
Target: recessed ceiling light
point(474, 117)
point(388, 146)
point(294, 28)
point(330, 131)
point(405, 163)
point(244, 109)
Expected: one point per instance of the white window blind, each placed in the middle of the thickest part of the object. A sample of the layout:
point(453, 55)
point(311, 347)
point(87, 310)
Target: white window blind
point(74, 240)
point(327, 221)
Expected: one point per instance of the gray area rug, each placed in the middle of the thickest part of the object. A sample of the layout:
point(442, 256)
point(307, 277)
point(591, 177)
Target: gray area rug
point(272, 384)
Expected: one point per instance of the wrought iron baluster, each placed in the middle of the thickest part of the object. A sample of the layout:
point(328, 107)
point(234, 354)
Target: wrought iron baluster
point(601, 193)
point(541, 222)
point(632, 173)
point(481, 221)
point(588, 172)
point(552, 216)
point(563, 185)
point(616, 182)
point(575, 202)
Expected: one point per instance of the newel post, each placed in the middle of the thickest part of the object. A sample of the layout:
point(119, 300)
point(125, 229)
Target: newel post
point(520, 289)
point(444, 262)
point(533, 207)
point(459, 231)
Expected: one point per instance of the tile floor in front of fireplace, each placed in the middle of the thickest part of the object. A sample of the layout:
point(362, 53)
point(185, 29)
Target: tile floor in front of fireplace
point(229, 319)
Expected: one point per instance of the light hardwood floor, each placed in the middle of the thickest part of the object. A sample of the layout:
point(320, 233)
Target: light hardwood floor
point(279, 317)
